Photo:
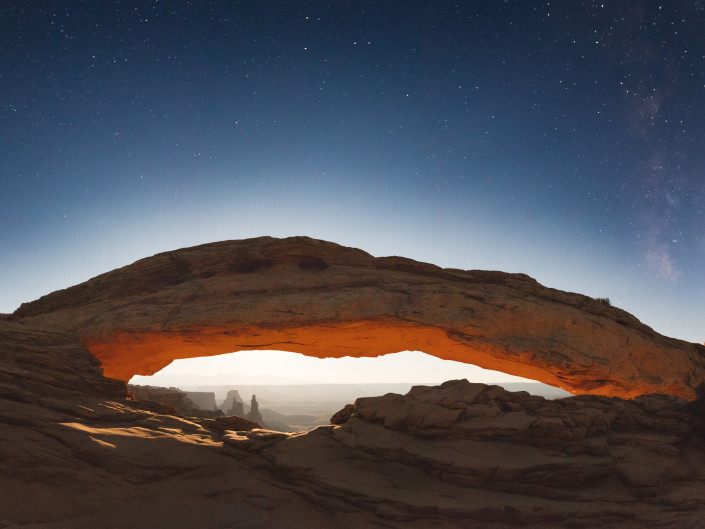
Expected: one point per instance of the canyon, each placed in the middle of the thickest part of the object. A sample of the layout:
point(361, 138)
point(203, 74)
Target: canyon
point(78, 450)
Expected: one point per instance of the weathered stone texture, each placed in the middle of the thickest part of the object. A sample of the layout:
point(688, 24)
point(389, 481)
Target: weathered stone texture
point(75, 451)
point(322, 299)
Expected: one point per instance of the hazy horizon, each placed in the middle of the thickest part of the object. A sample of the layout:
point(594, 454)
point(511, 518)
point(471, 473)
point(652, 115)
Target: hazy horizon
point(281, 367)
point(328, 398)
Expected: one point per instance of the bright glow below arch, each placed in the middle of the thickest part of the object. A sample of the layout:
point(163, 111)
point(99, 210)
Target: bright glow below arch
point(280, 367)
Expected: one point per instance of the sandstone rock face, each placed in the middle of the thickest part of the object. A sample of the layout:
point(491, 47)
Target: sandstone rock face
point(74, 453)
point(322, 299)
point(471, 455)
point(35, 362)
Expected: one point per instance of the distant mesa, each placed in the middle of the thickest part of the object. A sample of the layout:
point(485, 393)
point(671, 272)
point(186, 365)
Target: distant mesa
point(233, 404)
point(174, 401)
point(321, 299)
point(187, 403)
point(203, 400)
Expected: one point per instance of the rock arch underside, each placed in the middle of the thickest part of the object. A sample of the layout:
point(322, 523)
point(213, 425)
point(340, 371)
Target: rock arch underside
point(321, 299)
point(78, 449)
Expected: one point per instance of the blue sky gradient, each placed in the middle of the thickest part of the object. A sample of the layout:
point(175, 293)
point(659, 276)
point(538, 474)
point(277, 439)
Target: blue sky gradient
point(563, 140)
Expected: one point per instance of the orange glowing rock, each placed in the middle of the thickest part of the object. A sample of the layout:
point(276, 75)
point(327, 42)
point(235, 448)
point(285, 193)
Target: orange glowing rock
point(321, 299)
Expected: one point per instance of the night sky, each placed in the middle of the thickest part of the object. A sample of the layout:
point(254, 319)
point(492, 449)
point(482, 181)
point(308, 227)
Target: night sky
point(565, 140)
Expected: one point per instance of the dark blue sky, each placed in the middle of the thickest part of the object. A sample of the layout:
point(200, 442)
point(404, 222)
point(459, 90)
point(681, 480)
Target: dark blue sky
point(561, 139)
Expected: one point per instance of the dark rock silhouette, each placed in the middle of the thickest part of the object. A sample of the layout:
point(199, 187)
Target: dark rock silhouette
point(254, 414)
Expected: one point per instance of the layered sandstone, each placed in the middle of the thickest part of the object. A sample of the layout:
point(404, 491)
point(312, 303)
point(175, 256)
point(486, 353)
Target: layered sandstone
point(322, 299)
point(74, 453)
point(472, 455)
point(36, 363)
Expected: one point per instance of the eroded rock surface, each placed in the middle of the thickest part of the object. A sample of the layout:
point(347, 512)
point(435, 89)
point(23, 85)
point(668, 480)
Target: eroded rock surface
point(458, 455)
point(471, 455)
point(322, 299)
point(38, 363)
point(75, 453)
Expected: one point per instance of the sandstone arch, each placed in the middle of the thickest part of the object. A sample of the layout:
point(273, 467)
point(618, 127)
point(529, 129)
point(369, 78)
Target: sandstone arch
point(321, 299)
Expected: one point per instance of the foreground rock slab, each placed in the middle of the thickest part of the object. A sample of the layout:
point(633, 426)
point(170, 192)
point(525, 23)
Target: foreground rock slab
point(322, 299)
point(74, 453)
point(471, 455)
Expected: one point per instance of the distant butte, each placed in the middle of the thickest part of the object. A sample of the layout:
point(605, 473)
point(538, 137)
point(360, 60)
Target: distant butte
point(322, 299)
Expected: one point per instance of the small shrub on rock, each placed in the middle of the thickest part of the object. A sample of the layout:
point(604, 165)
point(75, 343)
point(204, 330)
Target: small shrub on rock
point(604, 301)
